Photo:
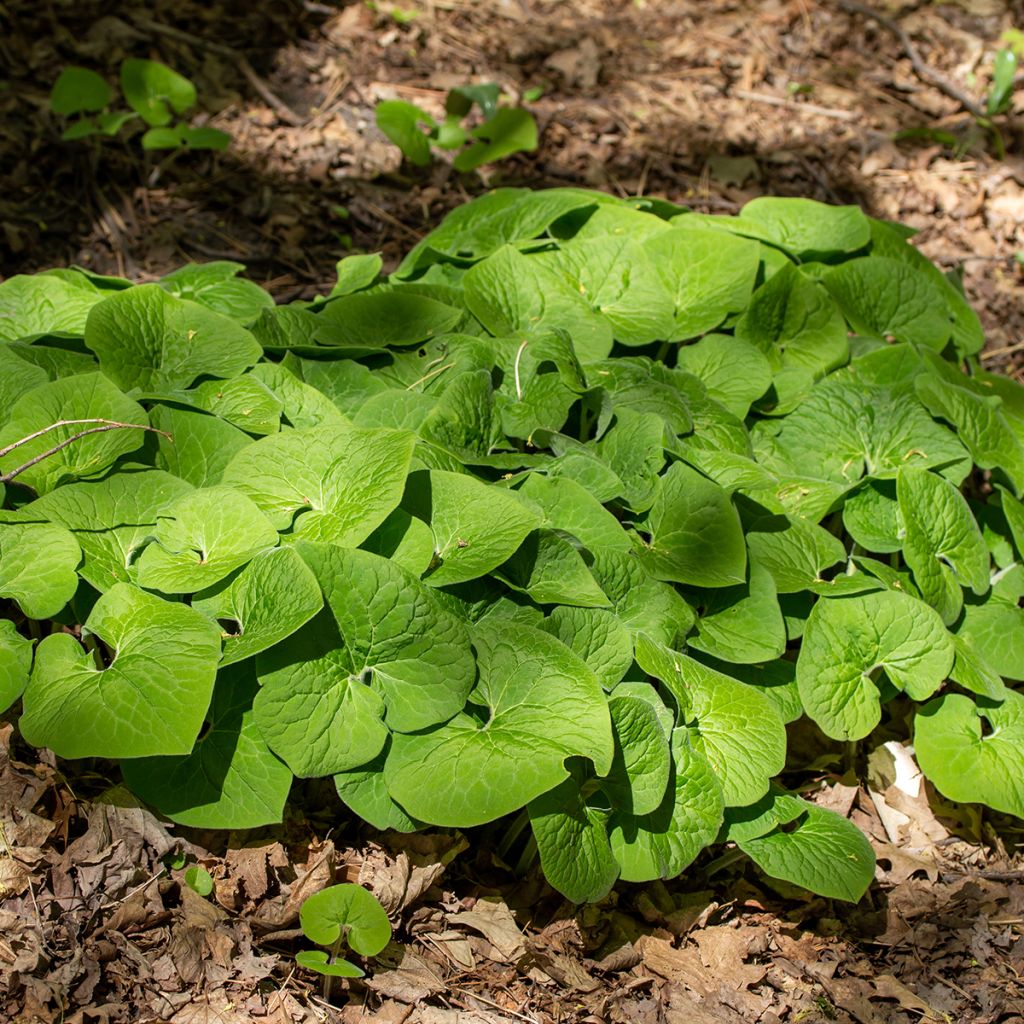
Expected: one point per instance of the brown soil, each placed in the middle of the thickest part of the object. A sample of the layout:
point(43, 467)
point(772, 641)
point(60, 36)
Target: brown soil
point(706, 102)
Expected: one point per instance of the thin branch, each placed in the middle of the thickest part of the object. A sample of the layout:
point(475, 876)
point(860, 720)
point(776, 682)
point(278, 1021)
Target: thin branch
point(107, 425)
point(519, 356)
point(922, 68)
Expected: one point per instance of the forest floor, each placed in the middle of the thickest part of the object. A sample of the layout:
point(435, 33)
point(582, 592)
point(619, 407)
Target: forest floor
point(704, 102)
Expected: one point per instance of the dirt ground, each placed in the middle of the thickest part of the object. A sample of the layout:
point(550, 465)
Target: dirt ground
point(705, 102)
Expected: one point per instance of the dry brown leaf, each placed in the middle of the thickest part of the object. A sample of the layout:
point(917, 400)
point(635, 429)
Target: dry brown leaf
point(493, 920)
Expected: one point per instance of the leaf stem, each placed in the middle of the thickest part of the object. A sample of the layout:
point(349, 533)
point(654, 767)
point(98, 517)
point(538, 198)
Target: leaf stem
point(106, 425)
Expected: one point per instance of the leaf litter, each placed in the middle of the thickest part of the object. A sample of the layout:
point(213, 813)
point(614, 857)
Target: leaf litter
point(98, 924)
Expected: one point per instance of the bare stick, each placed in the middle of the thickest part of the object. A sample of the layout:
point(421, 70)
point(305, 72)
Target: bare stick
point(106, 425)
point(922, 69)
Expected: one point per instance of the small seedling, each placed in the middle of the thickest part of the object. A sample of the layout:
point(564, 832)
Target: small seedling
point(155, 93)
point(339, 915)
point(199, 880)
point(505, 130)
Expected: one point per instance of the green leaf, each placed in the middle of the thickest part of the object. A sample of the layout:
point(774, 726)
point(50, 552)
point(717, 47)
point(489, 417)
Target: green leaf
point(200, 538)
point(640, 602)
point(942, 543)
point(267, 601)
point(569, 508)
point(373, 320)
point(336, 483)
point(150, 700)
point(640, 770)
point(551, 571)
point(199, 880)
point(572, 840)
point(217, 286)
point(301, 405)
point(890, 299)
point(597, 636)
point(662, 844)
point(111, 519)
point(317, 960)
point(478, 228)
point(974, 750)
point(532, 687)
point(391, 632)
point(510, 130)
point(512, 294)
point(846, 429)
point(995, 626)
point(355, 273)
point(619, 281)
point(37, 567)
point(695, 533)
point(15, 663)
point(807, 229)
point(79, 89)
point(155, 92)
point(86, 396)
point(633, 449)
point(145, 338)
point(734, 725)
point(848, 640)
point(230, 779)
point(400, 122)
point(820, 851)
point(347, 912)
point(735, 372)
point(201, 445)
point(777, 807)
point(794, 322)
point(1004, 73)
point(871, 516)
point(742, 624)
point(979, 423)
point(245, 402)
point(475, 526)
point(17, 377)
point(708, 274)
point(973, 672)
point(36, 304)
point(365, 792)
point(794, 552)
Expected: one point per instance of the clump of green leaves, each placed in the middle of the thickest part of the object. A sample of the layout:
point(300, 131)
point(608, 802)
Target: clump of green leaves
point(504, 130)
point(342, 915)
point(155, 94)
point(568, 518)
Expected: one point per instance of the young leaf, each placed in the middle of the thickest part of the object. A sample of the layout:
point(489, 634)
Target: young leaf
point(200, 446)
point(642, 764)
point(347, 912)
point(530, 685)
point(217, 286)
point(510, 130)
point(848, 640)
point(400, 122)
point(155, 92)
point(597, 636)
point(77, 90)
point(150, 700)
point(230, 779)
point(551, 571)
point(807, 229)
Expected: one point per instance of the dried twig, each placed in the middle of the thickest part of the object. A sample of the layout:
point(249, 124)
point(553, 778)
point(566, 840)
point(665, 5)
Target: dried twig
point(105, 426)
point(921, 67)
